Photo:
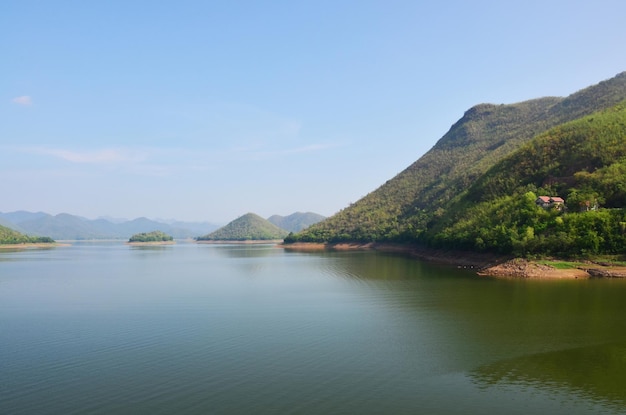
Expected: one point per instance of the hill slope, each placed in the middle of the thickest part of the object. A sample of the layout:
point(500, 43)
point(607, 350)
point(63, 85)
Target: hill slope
point(249, 227)
point(10, 236)
point(584, 161)
point(296, 221)
point(401, 209)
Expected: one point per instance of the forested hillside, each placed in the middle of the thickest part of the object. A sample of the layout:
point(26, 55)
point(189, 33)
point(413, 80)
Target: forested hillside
point(249, 227)
point(583, 161)
point(296, 221)
point(408, 207)
point(9, 236)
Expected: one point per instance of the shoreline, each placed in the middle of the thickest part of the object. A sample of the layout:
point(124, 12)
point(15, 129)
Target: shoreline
point(486, 265)
point(246, 242)
point(154, 243)
point(34, 245)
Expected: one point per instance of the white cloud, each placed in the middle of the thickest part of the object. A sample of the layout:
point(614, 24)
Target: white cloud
point(103, 156)
point(23, 100)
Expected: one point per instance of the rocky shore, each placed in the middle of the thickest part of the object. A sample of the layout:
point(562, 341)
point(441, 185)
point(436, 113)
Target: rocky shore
point(244, 242)
point(484, 264)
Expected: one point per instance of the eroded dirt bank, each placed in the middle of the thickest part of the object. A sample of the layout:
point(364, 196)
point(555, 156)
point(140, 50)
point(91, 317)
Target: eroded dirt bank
point(484, 264)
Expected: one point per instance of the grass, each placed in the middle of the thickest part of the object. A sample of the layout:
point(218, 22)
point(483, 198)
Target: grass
point(559, 264)
point(604, 260)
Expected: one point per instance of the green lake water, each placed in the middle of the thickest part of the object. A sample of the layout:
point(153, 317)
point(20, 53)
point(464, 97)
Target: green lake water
point(106, 328)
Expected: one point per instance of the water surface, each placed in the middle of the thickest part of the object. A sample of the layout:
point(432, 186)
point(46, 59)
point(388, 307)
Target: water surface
point(104, 328)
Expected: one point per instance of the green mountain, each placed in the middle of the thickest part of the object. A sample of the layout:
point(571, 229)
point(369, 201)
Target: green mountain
point(10, 236)
point(249, 227)
point(405, 208)
point(582, 161)
point(296, 221)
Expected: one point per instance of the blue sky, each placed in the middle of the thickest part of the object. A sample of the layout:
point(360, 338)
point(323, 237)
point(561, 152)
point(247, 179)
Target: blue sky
point(207, 110)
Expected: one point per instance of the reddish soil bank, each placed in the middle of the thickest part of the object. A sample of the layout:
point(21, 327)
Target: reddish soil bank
point(484, 264)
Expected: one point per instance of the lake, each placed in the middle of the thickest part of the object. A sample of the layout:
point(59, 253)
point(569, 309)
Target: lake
point(103, 328)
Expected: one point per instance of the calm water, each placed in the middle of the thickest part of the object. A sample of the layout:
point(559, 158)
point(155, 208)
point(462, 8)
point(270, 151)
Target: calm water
point(105, 328)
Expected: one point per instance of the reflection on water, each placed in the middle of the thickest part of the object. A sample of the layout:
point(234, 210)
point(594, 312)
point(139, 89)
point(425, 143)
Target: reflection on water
point(242, 250)
point(596, 372)
point(194, 329)
point(150, 247)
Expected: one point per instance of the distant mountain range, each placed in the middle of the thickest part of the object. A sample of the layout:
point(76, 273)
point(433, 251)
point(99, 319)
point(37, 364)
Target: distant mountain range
point(65, 226)
point(70, 227)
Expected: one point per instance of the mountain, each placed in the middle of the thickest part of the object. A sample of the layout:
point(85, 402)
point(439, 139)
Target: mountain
point(190, 229)
point(70, 227)
point(10, 225)
point(582, 162)
point(62, 226)
point(403, 209)
point(296, 221)
point(22, 216)
point(249, 227)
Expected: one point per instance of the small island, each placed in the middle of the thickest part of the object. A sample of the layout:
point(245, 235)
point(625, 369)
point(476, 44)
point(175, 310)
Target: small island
point(151, 238)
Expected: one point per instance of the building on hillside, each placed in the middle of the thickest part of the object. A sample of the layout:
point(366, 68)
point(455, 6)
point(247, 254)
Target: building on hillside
point(550, 202)
point(543, 201)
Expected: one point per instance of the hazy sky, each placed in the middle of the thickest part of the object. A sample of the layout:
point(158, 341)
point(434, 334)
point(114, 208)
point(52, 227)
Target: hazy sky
point(207, 110)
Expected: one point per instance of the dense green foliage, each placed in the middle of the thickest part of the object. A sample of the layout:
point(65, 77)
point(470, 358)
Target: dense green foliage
point(249, 227)
point(155, 236)
point(584, 161)
point(9, 236)
point(423, 203)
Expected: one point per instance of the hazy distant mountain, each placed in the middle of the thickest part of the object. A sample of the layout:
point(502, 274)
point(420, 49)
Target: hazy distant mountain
point(22, 216)
point(62, 226)
point(70, 227)
point(296, 221)
point(10, 225)
point(65, 226)
point(196, 228)
point(114, 220)
point(249, 227)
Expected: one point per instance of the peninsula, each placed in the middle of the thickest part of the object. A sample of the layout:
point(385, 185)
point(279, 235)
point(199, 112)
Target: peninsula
point(12, 239)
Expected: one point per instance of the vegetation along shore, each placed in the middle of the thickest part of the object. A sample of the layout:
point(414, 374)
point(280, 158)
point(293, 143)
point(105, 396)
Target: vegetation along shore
point(544, 178)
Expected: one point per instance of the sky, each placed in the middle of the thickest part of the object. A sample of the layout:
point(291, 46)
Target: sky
point(207, 110)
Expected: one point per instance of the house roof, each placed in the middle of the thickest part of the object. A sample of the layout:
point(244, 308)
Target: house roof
point(557, 199)
point(544, 199)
